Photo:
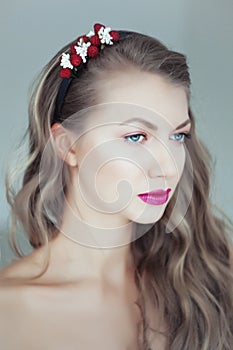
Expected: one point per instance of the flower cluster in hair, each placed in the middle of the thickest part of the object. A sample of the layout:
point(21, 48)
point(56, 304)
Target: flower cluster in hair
point(86, 46)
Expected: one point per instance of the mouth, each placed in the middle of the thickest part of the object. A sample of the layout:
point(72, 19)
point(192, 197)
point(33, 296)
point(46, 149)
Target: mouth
point(156, 197)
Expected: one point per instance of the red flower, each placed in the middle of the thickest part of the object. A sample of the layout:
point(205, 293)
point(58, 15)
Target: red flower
point(65, 73)
point(84, 37)
point(97, 27)
point(92, 51)
point(72, 49)
point(115, 35)
point(76, 60)
point(95, 40)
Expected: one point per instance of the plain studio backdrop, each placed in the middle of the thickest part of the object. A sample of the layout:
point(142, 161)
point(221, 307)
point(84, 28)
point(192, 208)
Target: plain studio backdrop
point(32, 31)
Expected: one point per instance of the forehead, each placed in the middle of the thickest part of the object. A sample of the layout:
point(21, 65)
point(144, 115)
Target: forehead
point(131, 94)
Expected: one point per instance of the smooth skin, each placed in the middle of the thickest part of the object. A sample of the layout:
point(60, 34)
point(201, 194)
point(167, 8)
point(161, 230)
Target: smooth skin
point(86, 298)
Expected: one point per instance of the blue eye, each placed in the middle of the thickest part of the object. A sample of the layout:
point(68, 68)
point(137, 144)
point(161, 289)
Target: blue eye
point(134, 138)
point(181, 136)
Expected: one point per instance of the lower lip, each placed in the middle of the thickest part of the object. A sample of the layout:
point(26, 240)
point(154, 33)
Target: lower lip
point(155, 199)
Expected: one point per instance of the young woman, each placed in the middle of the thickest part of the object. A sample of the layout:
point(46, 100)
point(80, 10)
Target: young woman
point(128, 252)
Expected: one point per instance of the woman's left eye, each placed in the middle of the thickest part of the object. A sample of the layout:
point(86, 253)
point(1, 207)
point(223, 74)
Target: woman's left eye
point(134, 138)
point(181, 136)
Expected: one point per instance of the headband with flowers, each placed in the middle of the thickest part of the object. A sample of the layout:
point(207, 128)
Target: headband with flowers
point(87, 45)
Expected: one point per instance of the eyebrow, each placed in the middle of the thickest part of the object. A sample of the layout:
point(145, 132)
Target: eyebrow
point(150, 125)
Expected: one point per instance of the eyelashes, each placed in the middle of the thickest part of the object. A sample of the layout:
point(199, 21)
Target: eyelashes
point(184, 134)
point(129, 138)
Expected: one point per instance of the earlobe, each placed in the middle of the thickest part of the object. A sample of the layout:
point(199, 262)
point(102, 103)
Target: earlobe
point(64, 144)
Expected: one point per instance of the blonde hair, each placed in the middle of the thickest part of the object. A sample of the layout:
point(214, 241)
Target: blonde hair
point(186, 275)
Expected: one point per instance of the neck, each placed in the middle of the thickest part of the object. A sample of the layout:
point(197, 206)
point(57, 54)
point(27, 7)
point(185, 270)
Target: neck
point(93, 252)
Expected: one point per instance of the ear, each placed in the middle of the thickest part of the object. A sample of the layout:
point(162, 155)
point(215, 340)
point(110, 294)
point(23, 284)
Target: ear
point(65, 144)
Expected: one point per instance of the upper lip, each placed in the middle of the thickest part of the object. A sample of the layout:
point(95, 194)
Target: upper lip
point(157, 192)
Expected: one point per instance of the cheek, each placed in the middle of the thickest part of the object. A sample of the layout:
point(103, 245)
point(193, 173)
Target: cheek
point(120, 178)
point(176, 161)
point(180, 160)
point(112, 168)
point(179, 156)
point(108, 174)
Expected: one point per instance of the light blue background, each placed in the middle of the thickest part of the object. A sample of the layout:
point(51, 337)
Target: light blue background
point(32, 32)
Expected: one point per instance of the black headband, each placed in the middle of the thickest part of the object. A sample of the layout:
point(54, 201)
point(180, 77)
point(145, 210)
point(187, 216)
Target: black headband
point(85, 47)
point(63, 89)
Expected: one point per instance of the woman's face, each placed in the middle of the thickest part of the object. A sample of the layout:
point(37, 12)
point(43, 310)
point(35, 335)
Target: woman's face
point(118, 159)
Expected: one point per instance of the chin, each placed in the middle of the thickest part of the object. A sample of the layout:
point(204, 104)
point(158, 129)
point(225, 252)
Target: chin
point(149, 219)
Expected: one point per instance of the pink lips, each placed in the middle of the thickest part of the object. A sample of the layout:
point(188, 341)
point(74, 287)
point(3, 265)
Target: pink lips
point(155, 197)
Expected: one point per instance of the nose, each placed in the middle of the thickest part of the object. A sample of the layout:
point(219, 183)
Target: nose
point(167, 161)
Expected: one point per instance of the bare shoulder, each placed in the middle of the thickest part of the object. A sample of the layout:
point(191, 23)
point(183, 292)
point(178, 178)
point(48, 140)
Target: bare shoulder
point(11, 297)
point(14, 298)
point(24, 267)
point(12, 278)
point(11, 301)
point(15, 284)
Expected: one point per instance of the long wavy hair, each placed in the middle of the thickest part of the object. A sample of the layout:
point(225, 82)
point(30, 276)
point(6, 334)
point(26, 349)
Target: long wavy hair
point(186, 275)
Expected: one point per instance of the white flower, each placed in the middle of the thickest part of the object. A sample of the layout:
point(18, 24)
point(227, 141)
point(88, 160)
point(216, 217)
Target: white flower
point(105, 37)
point(65, 61)
point(81, 49)
point(91, 33)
